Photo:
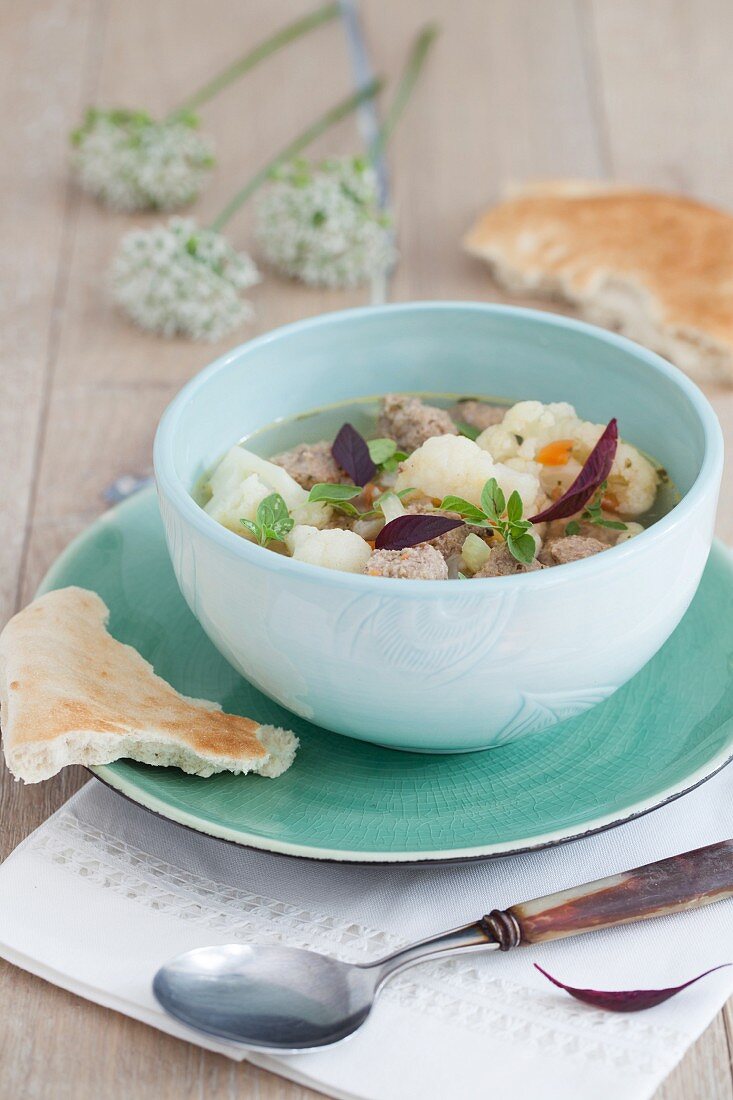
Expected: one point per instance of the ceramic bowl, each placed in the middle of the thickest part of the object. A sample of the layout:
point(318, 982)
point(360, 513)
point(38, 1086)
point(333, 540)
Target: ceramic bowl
point(451, 666)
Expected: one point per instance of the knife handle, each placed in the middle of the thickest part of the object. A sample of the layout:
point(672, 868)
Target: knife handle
point(681, 882)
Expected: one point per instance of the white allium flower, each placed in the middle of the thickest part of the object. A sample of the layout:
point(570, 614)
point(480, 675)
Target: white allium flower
point(323, 224)
point(130, 162)
point(182, 279)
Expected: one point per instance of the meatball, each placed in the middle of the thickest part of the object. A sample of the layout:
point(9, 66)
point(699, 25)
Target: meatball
point(452, 541)
point(503, 564)
point(310, 464)
point(478, 414)
point(409, 422)
point(423, 563)
point(570, 548)
point(607, 535)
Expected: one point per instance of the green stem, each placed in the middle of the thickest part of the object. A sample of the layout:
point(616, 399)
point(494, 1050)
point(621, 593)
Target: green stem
point(259, 53)
point(341, 110)
point(409, 77)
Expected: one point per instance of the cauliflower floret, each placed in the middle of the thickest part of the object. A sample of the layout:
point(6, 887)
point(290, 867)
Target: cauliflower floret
point(233, 488)
point(452, 465)
point(633, 480)
point(556, 480)
point(333, 549)
point(529, 426)
point(237, 500)
point(499, 442)
point(525, 466)
point(536, 424)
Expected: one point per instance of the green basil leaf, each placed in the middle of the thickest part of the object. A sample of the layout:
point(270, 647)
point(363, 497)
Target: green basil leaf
point(380, 450)
point(468, 430)
point(349, 509)
point(572, 528)
point(492, 499)
point(333, 494)
point(272, 510)
point(251, 527)
point(281, 527)
point(392, 463)
point(514, 508)
point(464, 508)
point(523, 548)
point(615, 525)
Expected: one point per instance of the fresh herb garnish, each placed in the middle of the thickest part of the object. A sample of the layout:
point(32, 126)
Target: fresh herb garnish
point(273, 520)
point(351, 451)
point(467, 511)
point(594, 473)
point(593, 513)
point(625, 1000)
point(338, 496)
point(385, 455)
point(501, 515)
point(468, 430)
point(410, 530)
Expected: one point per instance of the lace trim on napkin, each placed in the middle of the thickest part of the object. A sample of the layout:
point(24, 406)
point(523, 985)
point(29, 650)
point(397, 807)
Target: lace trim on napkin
point(459, 991)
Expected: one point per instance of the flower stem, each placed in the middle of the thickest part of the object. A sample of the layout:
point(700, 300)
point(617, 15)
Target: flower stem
point(270, 45)
point(341, 110)
point(409, 77)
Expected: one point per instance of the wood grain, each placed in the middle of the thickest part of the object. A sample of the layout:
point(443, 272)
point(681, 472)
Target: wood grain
point(515, 90)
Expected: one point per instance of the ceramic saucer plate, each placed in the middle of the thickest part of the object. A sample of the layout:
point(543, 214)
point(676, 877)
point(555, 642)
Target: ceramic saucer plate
point(666, 731)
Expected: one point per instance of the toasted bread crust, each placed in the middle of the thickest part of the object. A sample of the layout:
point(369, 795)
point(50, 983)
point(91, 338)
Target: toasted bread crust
point(621, 251)
point(71, 693)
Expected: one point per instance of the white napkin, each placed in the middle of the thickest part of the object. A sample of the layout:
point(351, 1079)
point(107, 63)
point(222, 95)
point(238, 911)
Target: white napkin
point(104, 892)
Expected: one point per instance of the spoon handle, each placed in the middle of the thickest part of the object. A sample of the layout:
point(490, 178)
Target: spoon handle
point(684, 881)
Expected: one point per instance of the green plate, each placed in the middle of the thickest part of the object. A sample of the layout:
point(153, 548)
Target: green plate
point(665, 732)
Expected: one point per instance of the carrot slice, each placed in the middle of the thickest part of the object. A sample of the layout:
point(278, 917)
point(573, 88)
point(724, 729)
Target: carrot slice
point(556, 453)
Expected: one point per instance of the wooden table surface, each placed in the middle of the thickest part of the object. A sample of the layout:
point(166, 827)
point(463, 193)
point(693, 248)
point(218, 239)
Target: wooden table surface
point(516, 89)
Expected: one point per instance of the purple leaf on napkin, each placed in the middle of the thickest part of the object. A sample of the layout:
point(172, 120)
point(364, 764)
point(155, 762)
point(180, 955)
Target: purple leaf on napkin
point(595, 471)
point(351, 452)
point(625, 1000)
point(406, 531)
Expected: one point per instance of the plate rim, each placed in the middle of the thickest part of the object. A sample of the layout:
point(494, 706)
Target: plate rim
point(252, 842)
point(106, 774)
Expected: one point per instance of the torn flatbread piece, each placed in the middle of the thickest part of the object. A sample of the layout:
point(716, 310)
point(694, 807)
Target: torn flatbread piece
point(70, 693)
point(657, 267)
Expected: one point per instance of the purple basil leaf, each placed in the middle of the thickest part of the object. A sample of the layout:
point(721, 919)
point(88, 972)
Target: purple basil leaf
point(351, 451)
point(595, 471)
point(410, 530)
point(625, 1000)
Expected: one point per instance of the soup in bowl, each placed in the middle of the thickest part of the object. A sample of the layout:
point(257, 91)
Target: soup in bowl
point(572, 476)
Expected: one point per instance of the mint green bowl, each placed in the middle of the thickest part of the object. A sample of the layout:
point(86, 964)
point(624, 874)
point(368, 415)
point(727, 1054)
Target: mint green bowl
point(452, 666)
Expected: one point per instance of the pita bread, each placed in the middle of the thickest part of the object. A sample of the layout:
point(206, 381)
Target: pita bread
point(71, 694)
point(657, 267)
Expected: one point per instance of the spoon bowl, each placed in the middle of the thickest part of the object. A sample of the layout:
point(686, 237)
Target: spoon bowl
point(279, 998)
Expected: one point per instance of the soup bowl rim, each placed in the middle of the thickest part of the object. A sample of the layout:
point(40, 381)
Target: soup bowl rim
point(178, 494)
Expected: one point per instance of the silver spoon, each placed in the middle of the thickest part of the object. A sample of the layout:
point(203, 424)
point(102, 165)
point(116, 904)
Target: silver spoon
point(290, 999)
